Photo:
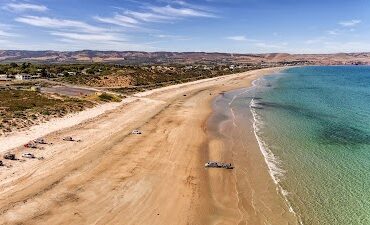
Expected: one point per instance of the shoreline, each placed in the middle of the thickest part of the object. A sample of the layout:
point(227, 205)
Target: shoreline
point(157, 177)
point(234, 127)
point(271, 161)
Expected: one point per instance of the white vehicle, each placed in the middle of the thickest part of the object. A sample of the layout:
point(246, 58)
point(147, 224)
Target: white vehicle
point(211, 164)
point(136, 132)
point(28, 155)
point(68, 139)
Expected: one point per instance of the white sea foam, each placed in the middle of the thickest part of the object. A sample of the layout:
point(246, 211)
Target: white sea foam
point(272, 161)
point(255, 82)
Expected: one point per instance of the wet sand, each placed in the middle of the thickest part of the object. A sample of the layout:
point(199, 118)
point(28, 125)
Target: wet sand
point(113, 177)
point(232, 139)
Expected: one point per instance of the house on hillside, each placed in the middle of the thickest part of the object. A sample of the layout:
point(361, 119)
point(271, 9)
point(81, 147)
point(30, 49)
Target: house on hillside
point(23, 76)
point(4, 77)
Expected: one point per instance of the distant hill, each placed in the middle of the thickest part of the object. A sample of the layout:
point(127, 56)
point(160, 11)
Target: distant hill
point(136, 57)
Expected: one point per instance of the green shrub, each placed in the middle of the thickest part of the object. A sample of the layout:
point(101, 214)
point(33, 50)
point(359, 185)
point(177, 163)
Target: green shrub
point(105, 97)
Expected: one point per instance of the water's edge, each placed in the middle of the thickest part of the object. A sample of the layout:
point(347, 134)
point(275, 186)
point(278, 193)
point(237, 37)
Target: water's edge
point(272, 161)
point(229, 115)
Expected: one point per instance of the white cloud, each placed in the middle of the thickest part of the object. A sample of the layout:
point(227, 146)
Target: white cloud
point(6, 31)
point(6, 34)
point(241, 38)
point(350, 23)
point(172, 37)
point(181, 12)
point(53, 23)
point(147, 16)
point(119, 20)
point(88, 37)
point(168, 13)
point(237, 38)
point(21, 7)
point(73, 30)
point(97, 33)
point(173, 11)
point(167, 36)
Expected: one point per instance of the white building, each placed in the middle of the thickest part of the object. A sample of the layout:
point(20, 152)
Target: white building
point(4, 77)
point(72, 73)
point(23, 76)
point(188, 67)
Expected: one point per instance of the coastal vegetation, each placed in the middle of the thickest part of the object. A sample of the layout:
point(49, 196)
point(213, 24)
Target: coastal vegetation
point(125, 79)
point(52, 90)
point(22, 108)
point(105, 97)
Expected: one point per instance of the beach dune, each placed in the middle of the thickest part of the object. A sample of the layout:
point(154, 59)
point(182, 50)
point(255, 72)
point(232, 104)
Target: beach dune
point(158, 177)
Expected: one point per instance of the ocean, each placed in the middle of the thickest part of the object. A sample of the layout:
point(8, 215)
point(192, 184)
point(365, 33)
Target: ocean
point(313, 127)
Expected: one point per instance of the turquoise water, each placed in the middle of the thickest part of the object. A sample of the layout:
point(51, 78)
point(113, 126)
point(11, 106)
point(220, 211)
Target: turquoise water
point(314, 124)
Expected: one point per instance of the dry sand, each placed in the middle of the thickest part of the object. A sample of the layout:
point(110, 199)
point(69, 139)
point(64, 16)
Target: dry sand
point(113, 177)
point(15, 139)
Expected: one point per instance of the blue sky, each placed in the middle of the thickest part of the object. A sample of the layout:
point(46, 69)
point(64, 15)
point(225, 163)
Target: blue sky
point(239, 26)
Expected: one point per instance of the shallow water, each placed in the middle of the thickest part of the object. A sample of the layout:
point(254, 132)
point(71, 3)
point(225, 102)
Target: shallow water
point(231, 123)
point(314, 127)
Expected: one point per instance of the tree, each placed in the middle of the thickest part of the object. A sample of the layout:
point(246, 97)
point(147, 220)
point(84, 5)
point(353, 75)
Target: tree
point(25, 65)
point(44, 73)
point(90, 71)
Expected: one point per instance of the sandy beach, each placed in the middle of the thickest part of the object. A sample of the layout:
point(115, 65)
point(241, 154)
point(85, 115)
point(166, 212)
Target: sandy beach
point(158, 177)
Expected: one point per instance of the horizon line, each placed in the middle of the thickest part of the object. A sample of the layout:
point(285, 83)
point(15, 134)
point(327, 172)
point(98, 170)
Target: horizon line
point(205, 52)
